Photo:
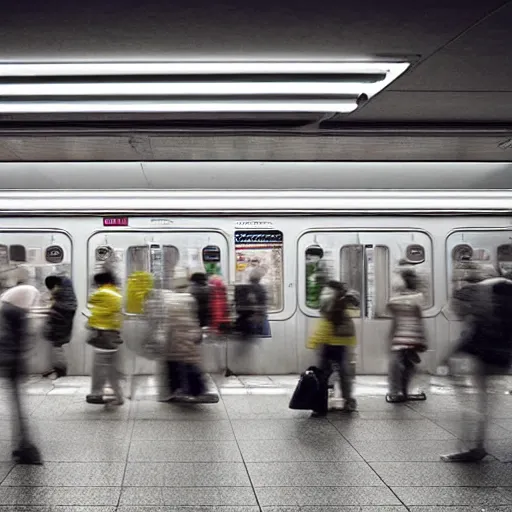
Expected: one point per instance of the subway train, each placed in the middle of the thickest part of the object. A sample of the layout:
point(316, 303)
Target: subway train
point(359, 237)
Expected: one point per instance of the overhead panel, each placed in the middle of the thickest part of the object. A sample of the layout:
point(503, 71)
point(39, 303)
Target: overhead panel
point(205, 88)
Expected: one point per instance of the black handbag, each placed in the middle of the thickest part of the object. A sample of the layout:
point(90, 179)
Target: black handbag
point(306, 394)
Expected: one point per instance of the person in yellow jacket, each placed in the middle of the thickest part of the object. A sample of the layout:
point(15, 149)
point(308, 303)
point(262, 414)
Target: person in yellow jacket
point(334, 338)
point(104, 322)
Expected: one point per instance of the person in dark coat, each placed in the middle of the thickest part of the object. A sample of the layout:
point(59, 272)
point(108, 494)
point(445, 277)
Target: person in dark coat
point(15, 304)
point(200, 290)
point(484, 304)
point(59, 324)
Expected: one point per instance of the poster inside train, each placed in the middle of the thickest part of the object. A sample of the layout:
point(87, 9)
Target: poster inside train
point(262, 250)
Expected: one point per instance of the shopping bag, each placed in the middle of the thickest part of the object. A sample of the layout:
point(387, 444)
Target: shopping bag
point(306, 394)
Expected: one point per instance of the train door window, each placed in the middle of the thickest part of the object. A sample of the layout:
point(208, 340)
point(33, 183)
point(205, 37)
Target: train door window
point(155, 252)
point(351, 271)
point(262, 252)
point(41, 253)
point(390, 253)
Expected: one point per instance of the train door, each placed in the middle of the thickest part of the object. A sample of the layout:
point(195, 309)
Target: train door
point(158, 253)
point(368, 263)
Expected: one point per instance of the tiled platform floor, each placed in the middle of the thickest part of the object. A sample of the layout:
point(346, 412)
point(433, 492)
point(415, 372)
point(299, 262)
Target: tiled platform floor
point(250, 452)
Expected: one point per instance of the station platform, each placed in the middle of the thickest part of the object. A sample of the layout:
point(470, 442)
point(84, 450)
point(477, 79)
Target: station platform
point(250, 452)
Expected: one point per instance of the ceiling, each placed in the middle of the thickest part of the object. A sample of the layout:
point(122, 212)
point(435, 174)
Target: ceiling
point(453, 104)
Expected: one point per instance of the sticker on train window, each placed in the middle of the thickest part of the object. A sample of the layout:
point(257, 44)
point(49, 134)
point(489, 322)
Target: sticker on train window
point(54, 254)
point(261, 252)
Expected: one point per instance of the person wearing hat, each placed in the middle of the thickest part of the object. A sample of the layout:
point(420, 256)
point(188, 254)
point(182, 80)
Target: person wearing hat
point(15, 304)
point(59, 324)
point(104, 323)
point(182, 349)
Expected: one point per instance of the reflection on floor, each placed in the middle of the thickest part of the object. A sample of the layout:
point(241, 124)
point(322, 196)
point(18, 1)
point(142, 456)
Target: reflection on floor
point(250, 452)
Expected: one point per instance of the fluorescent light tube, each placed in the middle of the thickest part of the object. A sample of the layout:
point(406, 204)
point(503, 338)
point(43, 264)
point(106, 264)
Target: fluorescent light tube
point(8, 69)
point(177, 106)
point(184, 88)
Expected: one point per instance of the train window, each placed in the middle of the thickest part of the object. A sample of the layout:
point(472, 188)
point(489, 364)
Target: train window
point(351, 270)
point(140, 260)
point(261, 250)
point(41, 253)
point(137, 259)
point(171, 257)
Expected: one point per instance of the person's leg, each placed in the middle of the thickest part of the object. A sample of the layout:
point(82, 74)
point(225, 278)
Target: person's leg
point(476, 370)
point(114, 377)
point(195, 382)
point(100, 374)
point(174, 376)
point(325, 366)
point(409, 365)
point(395, 376)
point(346, 379)
point(59, 361)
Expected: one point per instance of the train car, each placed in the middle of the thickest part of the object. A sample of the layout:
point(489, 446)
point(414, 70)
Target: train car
point(357, 236)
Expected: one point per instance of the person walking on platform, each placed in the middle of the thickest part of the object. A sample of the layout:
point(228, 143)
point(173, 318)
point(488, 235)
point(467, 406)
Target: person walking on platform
point(334, 337)
point(407, 336)
point(105, 307)
point(15, 303)
point(484, 304)
point(59, 324)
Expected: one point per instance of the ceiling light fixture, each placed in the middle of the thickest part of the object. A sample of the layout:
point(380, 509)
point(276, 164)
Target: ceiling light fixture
point(192, 87)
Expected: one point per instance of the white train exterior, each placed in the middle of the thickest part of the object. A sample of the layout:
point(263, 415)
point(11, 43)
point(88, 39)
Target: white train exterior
point(363, 236)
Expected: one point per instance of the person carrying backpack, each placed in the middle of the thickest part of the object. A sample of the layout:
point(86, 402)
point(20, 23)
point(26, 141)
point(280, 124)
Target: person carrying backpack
point(333, 337)
point(59, 323)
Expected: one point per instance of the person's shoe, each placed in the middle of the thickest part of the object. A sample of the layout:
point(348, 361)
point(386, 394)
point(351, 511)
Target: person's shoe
point(27, 453)
point(474, 455)
point(350, 405)
point(116, 401)
point(395, 398)
point(61, 372)
point(95, 399)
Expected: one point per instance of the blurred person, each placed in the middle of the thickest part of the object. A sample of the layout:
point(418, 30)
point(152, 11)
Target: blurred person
point(182, 350)
point(484, 304)
point(15, 304)
point(59, 324)
point(200, 290)
point(104, 322)
point(251, 306)
point(407, 335)
point(334, 337)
